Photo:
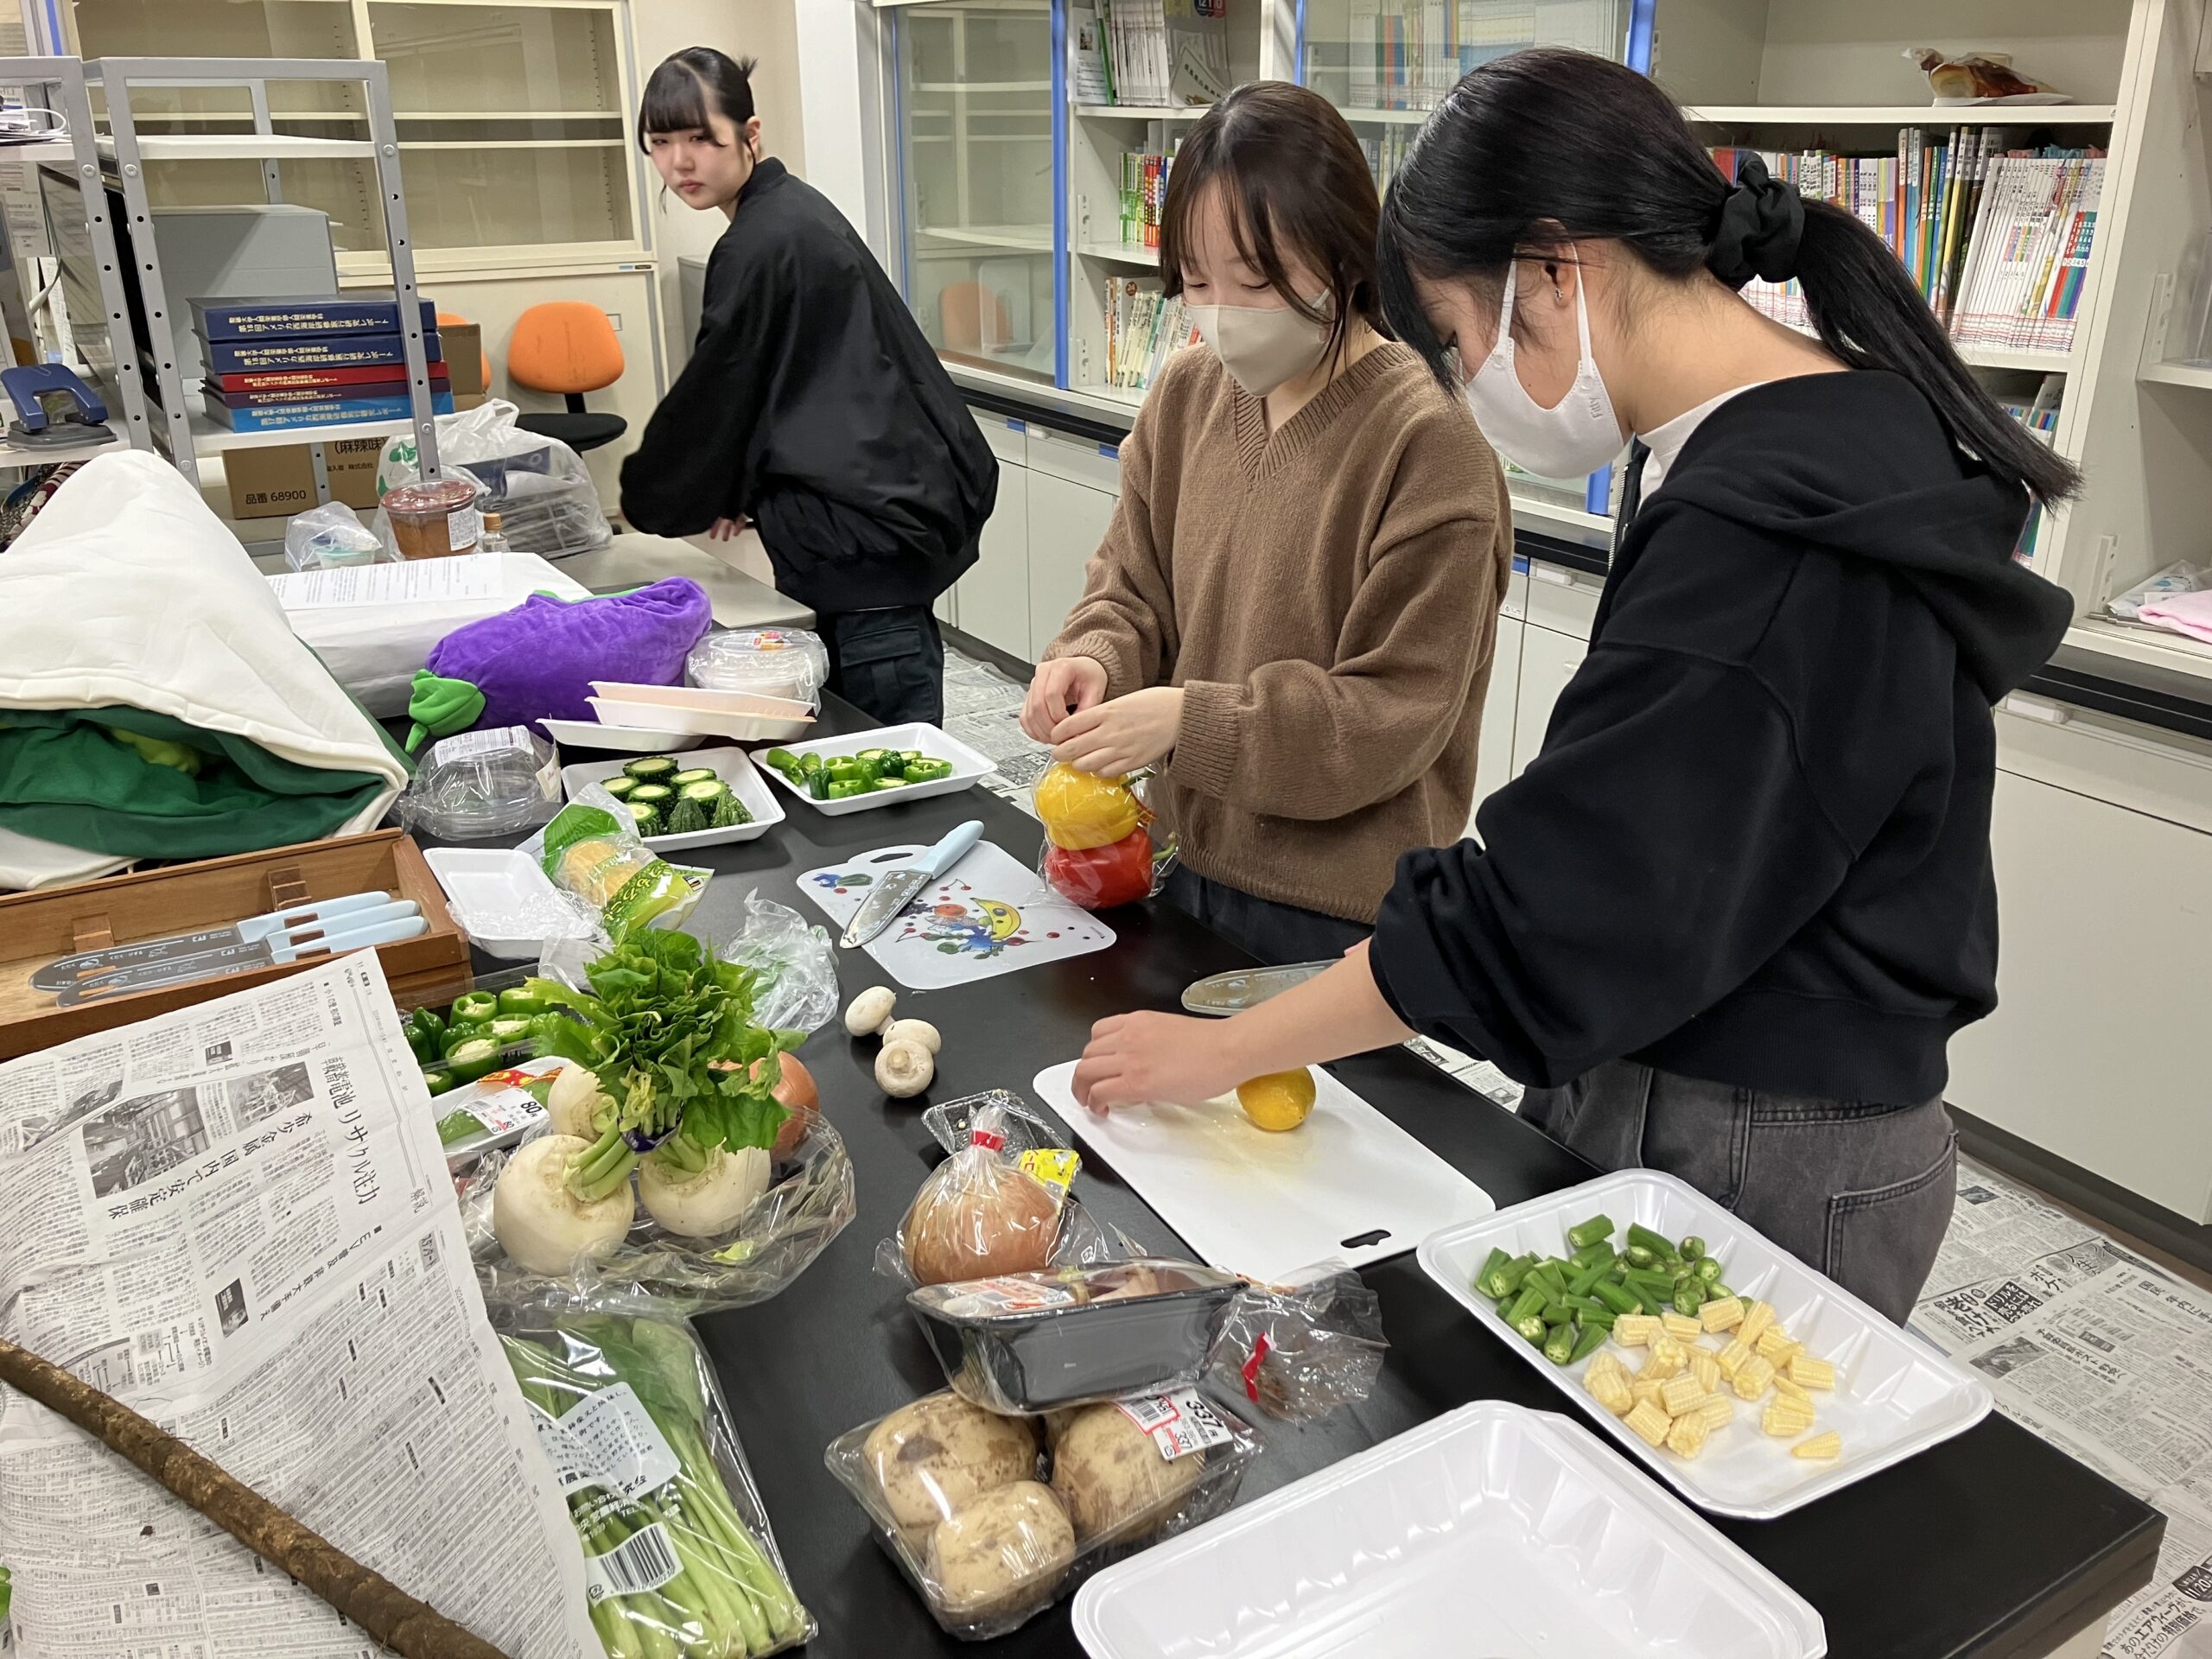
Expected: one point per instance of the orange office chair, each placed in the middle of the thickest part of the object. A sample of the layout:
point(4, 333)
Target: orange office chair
point(567, 346)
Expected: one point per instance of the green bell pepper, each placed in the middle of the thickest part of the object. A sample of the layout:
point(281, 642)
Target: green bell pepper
point(473, 1008)
point(845, 788)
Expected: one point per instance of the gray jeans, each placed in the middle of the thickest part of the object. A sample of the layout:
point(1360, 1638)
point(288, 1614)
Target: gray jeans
point(1860, 1191)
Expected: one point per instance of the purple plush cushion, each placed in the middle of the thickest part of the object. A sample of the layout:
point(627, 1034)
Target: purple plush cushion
point(537, 662)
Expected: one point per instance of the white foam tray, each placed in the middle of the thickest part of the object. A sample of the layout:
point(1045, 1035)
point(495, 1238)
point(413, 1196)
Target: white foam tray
point(1894, 1395)
point(968, 766)
point(630, 739)
point(737, 715)
point(1492, 1531)
point(503, 901)
point(732, 765)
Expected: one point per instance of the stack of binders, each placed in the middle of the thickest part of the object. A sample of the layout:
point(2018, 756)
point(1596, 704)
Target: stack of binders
point(277, 363)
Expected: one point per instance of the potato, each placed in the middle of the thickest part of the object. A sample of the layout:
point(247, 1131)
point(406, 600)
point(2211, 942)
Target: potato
point(1002, 1555)
point(933, 1456)
point(1112, 1478)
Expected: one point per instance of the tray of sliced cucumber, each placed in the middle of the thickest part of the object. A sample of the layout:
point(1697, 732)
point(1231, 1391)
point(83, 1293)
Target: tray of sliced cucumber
point(704, 798)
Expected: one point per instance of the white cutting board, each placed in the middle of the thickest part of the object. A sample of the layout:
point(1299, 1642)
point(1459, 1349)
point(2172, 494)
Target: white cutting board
point(1266, 1205)
point(987, 916)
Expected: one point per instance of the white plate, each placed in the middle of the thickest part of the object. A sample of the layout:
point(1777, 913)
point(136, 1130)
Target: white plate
point(1492, 1530)
point(968, 766)
point(700, 722)
point(731, 766)
point(705, 698)
point(1347, 1182)
point(1894, 1395)
point(631, 740)
point(503, 901)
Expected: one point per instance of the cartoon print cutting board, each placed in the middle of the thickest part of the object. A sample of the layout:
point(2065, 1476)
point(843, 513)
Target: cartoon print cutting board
point(987, 916)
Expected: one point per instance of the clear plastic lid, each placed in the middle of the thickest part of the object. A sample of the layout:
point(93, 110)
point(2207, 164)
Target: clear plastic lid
point(766, 662)
point(482, 784)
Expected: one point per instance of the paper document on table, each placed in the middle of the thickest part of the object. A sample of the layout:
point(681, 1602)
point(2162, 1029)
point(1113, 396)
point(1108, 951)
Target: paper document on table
point(236, 1219)
point(2106, 1357)
point(468, 576)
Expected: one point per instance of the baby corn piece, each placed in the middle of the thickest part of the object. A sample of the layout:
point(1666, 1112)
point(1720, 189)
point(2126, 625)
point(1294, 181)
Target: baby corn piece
point(1717, 1412)
point(1820, 1446)
point(1774, 1343)
point(1705, 1367)
point(1726, 1314)
point(1610, 1390)
point(1646, 1391)
point(1603, 1361)
point(1650, 1423)
point(1680, 1326)
point(1686, 1438)
point(1634, 1329)
point(1660, 1364)
point(1810, 1373)
point(1782, 1419)
point(1752, 1378)
point(1733, 1358)
point(1788, 1390)
point(1679, 1394)
point(1756, 1317)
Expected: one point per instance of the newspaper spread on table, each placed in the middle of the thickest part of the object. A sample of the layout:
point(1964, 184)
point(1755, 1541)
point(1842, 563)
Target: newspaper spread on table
point(236, 1219)
point(2106, 1355)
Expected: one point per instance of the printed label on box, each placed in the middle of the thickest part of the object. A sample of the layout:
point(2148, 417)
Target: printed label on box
point(486, 742)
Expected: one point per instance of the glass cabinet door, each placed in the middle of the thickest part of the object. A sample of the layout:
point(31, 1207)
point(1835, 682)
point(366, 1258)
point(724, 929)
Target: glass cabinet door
point(974, 102)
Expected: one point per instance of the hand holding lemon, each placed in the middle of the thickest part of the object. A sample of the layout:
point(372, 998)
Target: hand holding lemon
point(1279, 1102)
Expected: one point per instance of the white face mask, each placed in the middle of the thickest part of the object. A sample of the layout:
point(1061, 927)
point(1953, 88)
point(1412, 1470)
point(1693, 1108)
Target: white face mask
point(1262, 347)
point(1578, 437)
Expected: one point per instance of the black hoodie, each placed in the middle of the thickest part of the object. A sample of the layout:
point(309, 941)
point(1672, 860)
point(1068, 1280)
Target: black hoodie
point(1754, 847)
point(813, 406)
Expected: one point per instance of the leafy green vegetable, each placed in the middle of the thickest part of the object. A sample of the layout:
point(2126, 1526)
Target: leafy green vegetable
point(662, 1010)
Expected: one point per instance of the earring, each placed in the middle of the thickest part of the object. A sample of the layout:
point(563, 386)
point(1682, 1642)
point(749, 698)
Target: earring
point(1558, 294)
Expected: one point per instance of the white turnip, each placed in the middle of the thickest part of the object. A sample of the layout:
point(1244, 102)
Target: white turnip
point(708, 1202)
point(574, 1101)
point(540, 1223)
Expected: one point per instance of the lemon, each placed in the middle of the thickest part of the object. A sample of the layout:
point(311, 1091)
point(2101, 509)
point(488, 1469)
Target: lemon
point(1279, 1101)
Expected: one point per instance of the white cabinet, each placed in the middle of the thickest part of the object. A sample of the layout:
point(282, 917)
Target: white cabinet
point(1548, 660)
point(1066, 522)
point(1494, 759)
point(2106, 922)
point(992, 600)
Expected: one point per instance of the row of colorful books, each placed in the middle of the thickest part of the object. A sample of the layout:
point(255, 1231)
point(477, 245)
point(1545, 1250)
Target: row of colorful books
point(1997, 240)
point(1150, 52)
point(2039, 414)
point(1142, 327)
point(1144, 188)
point(272, 365)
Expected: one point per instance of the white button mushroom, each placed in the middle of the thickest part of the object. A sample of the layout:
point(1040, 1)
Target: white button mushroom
point(914, 1030)
point(904, 1069)
point(870, 1011)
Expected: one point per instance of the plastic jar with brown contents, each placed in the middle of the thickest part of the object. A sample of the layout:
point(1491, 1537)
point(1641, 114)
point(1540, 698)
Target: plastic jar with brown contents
point(433, 519)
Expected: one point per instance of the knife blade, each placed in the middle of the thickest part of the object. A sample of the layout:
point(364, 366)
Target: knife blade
point(1246, 987)
point(896, 889)
point(398, 911)
point(65, 971)
point(241, 958)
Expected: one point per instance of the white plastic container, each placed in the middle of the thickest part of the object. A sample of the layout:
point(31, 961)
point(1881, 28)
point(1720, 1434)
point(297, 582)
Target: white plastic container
point(731, 766)
point(503, 901)
point(630, 739)
point(968, 767)
point(1894, 1395)
point(1492, 1531)
point(742, 715)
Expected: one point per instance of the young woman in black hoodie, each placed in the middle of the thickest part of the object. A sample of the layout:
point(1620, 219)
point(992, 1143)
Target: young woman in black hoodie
point(1726, 922)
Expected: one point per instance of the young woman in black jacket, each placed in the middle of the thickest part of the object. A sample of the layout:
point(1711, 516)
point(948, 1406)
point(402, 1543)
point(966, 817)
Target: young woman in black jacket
point(1726, 923)
point(811, 405)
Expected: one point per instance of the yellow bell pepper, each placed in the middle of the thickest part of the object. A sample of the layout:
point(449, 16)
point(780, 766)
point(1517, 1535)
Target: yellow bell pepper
point(1080, 809)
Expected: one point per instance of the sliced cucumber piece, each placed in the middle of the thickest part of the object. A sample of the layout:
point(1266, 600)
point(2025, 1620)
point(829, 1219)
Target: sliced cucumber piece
point(696, 775)
point(618, 788)
point(651, 768)
point(653, 794)
point(705, 791)
point(645, 815)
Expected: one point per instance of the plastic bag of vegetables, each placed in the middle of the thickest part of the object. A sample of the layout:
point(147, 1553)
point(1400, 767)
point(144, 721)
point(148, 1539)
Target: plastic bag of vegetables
point(679, 1556)
point(993, 1518)
point(683, 1151)
point(596, 859)
point(1099, 847)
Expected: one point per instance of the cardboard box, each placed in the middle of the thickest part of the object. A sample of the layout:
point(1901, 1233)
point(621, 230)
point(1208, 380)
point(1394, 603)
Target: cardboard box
point(464, 348)
point(279, 482)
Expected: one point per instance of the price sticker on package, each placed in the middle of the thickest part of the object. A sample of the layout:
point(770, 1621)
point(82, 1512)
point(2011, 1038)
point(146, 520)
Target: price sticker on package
point(1054, 1168)
point(1179, 1423)
point(608, 1440)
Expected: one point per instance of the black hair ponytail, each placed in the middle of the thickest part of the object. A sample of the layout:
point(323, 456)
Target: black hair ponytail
point(691, 85)
point(1550, 146)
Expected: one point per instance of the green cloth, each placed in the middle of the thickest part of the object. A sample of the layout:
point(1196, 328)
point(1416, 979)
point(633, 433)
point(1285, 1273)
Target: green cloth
point(439, 708)
point(64, 778)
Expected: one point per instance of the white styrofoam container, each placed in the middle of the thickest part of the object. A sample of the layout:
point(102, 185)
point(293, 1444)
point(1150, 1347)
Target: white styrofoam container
point(503, 901)
point(1492, 1530)
point(732, 765)
point(735, 715)
point(1894, 1395)
point(631, 740)
point(967, 765)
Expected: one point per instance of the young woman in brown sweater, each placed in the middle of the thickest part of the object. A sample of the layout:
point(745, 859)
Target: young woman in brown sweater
point(1291, 616)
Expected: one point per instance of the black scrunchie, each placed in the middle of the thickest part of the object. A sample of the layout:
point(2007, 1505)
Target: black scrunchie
point(1762, 222)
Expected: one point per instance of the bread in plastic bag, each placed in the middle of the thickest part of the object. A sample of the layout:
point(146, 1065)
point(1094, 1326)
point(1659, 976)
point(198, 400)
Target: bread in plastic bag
point(679, 1556)
point(985, 1548)
point(979, 1213)
point(481, 784)
point(538, 486)
point(1101, 848)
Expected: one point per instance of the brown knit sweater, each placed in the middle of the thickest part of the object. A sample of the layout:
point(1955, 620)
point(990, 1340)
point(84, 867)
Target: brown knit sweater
point(1327, 598)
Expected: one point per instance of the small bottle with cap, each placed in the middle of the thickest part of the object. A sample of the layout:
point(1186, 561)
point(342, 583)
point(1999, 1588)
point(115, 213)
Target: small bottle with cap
point(494, 539)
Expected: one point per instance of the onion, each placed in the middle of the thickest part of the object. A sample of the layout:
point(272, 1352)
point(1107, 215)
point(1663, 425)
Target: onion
point(797, 1095)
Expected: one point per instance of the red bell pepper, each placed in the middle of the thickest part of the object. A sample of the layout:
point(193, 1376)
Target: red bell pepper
point(1098, 878)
